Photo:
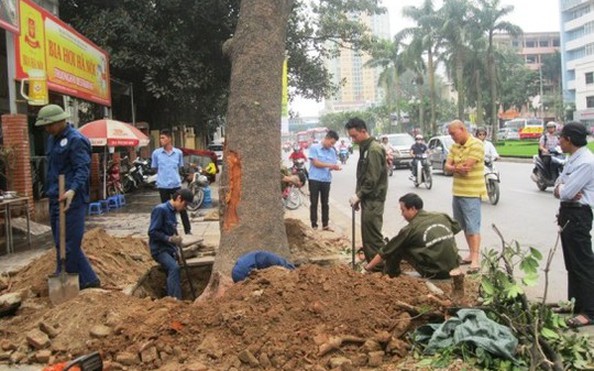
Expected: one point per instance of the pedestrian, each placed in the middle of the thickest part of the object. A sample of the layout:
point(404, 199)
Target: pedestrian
point(258, 259)
point(372, 186)
point(466, 161)
point(427, 242)
point(69, 153)
point(167, 160)
point(323, 161)
point(575, 189)
point(164, 241)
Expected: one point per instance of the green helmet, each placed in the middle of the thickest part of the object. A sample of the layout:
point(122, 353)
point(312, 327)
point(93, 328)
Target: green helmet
point(50, 114)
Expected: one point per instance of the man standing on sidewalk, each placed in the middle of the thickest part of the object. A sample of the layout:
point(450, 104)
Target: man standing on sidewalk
point(575, 189)
point(372, 186)
point(168, 160)
point(466, 161)
point(323, 160)
point(69, 153)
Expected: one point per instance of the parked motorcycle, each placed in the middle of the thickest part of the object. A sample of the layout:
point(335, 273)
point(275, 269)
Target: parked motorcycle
point(298, 167)
point(492, 180)
point(422, 171)
point(135, 177)
point(197, 185)
point(114, 185)
point(542, 174)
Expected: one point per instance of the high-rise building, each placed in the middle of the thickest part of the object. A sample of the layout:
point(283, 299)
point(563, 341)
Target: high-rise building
point(531, 46)
point(358, 84)
point(577, 57)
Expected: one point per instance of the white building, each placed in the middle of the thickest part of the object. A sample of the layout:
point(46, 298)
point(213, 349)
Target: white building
point(577, 57)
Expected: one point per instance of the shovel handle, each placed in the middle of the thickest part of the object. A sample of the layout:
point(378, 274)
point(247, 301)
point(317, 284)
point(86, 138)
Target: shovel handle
point(61, 190)
point(353, 238)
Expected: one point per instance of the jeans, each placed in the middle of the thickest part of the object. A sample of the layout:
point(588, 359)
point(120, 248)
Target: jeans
point(166, 194)
point(172, 270)
point(323, 190)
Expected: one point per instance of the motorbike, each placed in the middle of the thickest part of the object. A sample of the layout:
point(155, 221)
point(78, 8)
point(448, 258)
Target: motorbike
point(135, 177)
point(421, 171)
point(299, 166)
point(492, 180)
point(198, 183)
point(343, 155)
point(543, 175)
point(114, 185)
point(292, 194)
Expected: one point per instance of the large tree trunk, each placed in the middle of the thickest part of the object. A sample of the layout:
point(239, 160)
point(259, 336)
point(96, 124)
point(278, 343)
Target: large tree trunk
point(252, 214)
point(479, 98)
point(432, 90)
point(493, 86)
point(460, 86)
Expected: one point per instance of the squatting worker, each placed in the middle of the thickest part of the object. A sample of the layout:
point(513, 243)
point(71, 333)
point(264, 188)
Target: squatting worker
point(168, 160)
point(575, 189)
point(427, 242)
point(164, 240)
point(466, 161)
point(69, 153)
point(323, 160)
point(372, 185)
point(258, 259)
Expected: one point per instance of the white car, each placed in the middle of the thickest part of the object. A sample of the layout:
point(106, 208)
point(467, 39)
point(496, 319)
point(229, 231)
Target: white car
point(218, 149)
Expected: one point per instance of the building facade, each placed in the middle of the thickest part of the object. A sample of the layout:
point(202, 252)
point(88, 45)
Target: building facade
point(531, 46)
point(358, 84)
point(577, 57)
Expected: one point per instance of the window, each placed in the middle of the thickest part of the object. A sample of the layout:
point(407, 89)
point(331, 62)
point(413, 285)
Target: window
point(530, 43)
point(556, 42)
point(531, 59)
point(515, 43)
point(543, 43)
point(590, 101)
point(589, 77)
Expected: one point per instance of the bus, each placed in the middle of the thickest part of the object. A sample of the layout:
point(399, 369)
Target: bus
point(528, 128)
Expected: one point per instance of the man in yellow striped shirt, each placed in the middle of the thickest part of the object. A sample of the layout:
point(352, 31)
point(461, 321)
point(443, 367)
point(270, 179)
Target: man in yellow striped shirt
point(466, 163)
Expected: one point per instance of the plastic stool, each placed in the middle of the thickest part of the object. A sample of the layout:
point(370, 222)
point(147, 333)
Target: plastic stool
point(104, 205)
point(121, 200)
point(95, 208)
point(113, 202)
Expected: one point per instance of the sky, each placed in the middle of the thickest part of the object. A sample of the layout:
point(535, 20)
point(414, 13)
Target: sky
point(542, 18)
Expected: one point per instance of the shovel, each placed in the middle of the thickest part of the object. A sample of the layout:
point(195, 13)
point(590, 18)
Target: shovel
point(353, 239)
point(184, 264)
point(62, 286)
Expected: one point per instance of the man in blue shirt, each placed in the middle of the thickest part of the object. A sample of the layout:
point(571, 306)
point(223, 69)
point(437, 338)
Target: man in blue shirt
point(168, 160)
point(575, 189)
point(164, 240)
point(258, 259)
point(323, 160)
point(68, 153)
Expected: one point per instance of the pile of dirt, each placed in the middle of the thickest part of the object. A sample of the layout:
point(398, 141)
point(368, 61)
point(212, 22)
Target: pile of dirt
point(118, 262)
point(310, 318)
point(306, 243)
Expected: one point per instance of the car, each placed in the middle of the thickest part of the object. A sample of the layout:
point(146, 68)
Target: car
point(401, 143)
point(439, 147)
point(218, 149)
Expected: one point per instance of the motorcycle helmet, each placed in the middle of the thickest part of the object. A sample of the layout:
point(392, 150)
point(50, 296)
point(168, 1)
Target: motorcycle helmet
point(480, 130)
point(296, 148)
point(551, 124)
point(418, 137)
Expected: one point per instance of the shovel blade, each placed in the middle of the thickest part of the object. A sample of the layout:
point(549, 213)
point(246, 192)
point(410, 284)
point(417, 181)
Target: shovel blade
point(62, 287)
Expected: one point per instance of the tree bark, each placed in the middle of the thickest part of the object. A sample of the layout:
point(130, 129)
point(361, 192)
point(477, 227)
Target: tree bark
point(432, 90)
point(252, 213)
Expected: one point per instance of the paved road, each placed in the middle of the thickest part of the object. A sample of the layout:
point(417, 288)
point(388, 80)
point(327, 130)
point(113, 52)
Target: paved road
point(524, 213)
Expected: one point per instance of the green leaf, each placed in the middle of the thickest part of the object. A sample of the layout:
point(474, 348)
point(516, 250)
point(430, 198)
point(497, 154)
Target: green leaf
point(513, 291)
point(488, 288)
point(530, 279)
point(548, 333)
point(537, 254)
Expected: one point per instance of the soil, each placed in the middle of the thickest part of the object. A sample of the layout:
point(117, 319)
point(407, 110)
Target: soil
point(313, 318)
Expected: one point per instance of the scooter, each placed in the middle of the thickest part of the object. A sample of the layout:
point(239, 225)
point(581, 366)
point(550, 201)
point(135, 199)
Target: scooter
point(135, 177)
point(114, 186)
point(492, 180)
point(197, 185)
point(542, 175)
point(343, 155)
point(421, 171)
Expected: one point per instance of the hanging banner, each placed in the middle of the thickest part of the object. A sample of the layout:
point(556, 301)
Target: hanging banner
point(74, 65)
point(9, 15)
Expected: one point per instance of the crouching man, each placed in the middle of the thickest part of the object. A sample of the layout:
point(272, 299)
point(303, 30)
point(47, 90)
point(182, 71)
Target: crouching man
point(164, 240)
point(258, 259)
point(427, 242)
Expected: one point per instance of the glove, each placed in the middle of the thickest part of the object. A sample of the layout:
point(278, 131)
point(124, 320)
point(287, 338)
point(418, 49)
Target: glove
point(176, 240)
point(67, 197)
point(354, 201)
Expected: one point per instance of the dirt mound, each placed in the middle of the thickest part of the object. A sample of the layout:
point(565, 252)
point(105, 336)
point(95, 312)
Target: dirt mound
point(306, 243)
point(118, 262)
point(310, 318)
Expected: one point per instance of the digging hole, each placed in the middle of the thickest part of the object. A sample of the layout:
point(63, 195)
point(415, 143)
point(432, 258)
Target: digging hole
point(154, 282)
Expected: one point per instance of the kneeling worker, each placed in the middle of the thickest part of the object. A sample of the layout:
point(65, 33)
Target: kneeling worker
point(258, 259)
point(164, 240)
point(427, 242)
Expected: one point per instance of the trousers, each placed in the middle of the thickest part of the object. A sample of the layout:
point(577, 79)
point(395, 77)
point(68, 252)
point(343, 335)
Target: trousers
point(579, 258)
point(372, 220)
point(76, 260)
point(319, 191)
point(166, 194)
point(172, 271)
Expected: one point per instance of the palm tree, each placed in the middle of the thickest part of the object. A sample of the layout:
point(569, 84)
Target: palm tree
point(428, 22)
point(489, 15)
point(413, 60)
point(387, 55)
point(455, 43)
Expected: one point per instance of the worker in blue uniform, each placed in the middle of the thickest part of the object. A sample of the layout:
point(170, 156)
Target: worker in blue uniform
point(68, 153)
